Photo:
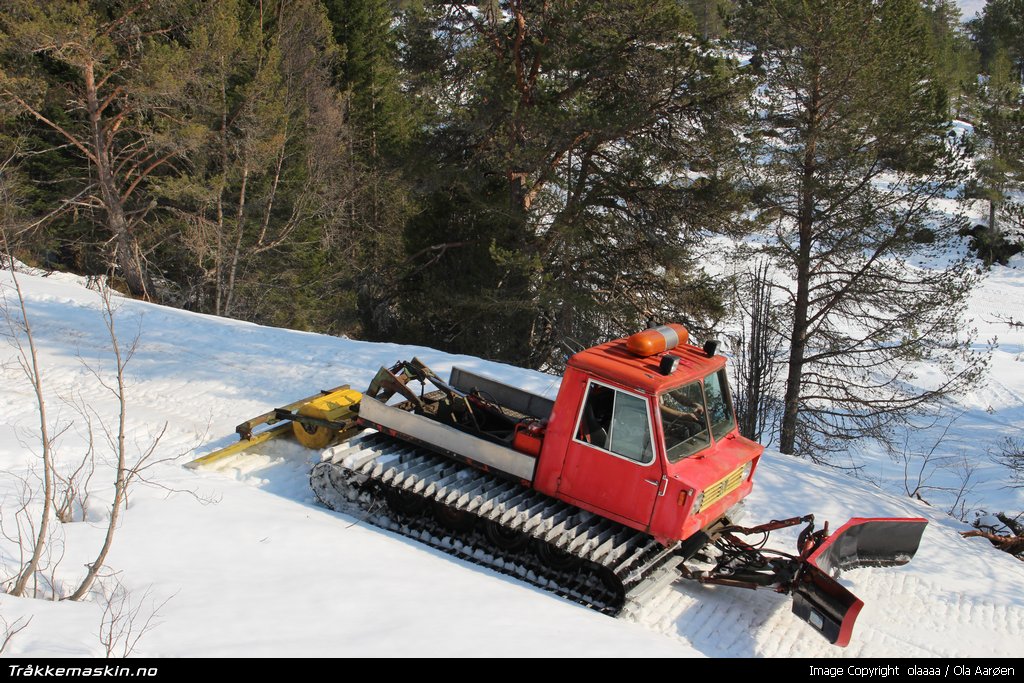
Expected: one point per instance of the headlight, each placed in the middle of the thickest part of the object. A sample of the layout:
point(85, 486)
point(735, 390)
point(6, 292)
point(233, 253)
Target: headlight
point(746, 470)
point(697, 502)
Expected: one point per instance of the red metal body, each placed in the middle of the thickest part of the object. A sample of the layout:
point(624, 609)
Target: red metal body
point(656, 496)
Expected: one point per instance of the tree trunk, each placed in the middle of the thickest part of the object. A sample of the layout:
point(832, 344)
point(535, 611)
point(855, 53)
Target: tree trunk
point(756, 369)
point(222, 183)
point(126, 254)
point(805, 226)
point(797, 341)
point(236, 253)
point(121, 480)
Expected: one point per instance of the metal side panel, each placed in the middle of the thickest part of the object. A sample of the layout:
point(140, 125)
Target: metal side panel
point(510, 397)
point(448, 439)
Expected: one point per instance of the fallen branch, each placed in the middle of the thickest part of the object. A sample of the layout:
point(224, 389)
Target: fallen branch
point(1009, 544)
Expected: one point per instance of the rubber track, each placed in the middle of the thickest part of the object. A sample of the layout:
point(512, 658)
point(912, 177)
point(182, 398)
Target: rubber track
point(614, 559)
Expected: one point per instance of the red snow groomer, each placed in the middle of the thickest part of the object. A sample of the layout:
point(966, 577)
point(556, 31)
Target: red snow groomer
point(629, 480)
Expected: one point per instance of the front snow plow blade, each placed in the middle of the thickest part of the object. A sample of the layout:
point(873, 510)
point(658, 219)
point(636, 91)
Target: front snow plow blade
point(870, 542)
point(826, 605)
point(818, 598)
point(822, 601)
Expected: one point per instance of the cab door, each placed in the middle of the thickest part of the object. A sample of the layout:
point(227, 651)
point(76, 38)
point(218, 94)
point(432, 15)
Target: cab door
point(611, 464)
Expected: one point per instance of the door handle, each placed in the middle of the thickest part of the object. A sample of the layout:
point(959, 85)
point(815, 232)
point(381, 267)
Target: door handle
point(662, 484)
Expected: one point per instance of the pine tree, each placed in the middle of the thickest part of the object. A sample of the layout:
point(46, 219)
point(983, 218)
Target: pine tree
point(999, 35)
point(573, 166)
point(711, 16)
point(97, 77)
point(848, 149)
point(1001, 27)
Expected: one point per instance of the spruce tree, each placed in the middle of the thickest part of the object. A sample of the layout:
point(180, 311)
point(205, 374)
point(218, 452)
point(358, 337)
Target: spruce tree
point(368, 72)
point(1000, 163)
point(382, 120)
point(1001, 27)
point(261, 217)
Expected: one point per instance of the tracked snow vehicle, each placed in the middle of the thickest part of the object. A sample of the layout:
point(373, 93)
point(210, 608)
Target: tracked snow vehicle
point(628, 480)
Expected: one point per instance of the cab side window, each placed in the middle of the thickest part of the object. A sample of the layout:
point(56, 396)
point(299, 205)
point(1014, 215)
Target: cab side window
point(617, 422)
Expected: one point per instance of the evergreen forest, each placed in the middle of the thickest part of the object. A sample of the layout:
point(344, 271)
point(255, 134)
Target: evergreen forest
point(520, 179)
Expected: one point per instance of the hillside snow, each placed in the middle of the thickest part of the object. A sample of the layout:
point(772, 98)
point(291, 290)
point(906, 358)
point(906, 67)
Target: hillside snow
point(246, 564)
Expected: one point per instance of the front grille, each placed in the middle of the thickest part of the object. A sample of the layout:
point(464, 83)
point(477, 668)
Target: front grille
point(720, 489)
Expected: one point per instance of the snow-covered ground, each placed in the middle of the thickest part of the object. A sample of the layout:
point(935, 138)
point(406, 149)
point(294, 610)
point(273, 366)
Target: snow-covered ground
point(246, 564)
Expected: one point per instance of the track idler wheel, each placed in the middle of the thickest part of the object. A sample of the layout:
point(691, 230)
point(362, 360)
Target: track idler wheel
point(455, 520)
point(559, 560)
point(315, 437)
point(505, 538)
point(331, 487)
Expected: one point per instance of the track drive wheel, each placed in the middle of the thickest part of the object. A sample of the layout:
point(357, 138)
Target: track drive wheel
point(614, 585)
point(315, 437)
point(404, 503)
point(559, 560)
point(505, 538)
point(455, 520)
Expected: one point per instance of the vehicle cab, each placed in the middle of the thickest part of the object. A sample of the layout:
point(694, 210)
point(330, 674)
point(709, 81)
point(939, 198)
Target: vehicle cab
point(643, 432)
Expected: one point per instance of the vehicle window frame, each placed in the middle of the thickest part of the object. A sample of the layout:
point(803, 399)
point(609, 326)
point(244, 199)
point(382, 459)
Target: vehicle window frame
point(653, 455)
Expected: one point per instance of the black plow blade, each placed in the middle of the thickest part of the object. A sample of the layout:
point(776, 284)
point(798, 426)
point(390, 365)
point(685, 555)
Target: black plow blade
point(822, 601)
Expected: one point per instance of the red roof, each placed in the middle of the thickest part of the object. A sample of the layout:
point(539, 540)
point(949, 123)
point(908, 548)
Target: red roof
point(614, 362)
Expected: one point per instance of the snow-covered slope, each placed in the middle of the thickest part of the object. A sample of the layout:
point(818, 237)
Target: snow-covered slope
point(250, 566)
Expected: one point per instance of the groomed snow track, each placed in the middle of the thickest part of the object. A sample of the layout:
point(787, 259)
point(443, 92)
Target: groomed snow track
point(577, 555)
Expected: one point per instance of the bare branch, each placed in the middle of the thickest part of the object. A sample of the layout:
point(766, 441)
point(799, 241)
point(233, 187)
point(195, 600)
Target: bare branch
point(122, 474)
point(33, 370)
point(126, 621)
point(11, 630)
point(55, 126)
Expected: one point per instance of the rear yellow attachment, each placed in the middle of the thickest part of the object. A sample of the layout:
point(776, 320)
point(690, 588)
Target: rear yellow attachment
point(238, 447)
point(335, 407)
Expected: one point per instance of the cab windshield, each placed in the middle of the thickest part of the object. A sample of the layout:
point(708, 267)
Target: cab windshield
point(692, 413)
